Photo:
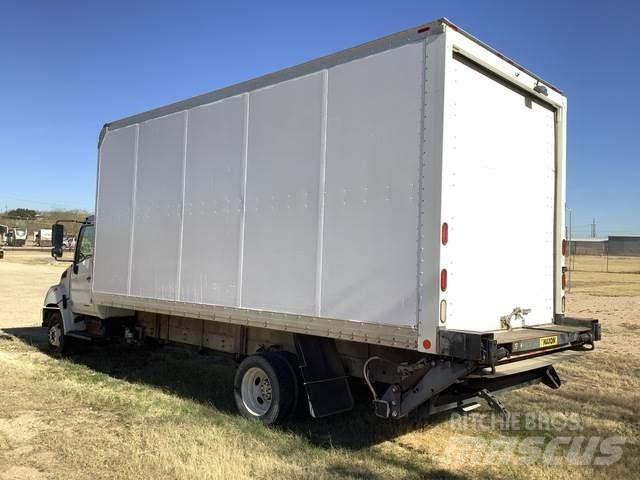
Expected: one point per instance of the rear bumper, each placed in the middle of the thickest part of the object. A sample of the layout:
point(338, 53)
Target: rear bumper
point(505, 346)
point(481, 364)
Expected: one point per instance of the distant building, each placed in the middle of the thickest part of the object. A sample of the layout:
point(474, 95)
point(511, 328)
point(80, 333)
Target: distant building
point(624, 245)
point(588, 246)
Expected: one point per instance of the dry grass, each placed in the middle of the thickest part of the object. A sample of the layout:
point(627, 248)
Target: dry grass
point(117, 412)
point(590, 275)
point(607, 264)
point(605, 284)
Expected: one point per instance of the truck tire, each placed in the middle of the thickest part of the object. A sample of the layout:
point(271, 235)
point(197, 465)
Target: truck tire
point(300, 408)
point(58, 343)
point(265, 388)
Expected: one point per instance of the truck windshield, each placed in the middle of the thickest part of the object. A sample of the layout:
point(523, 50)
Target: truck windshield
point(85, 242)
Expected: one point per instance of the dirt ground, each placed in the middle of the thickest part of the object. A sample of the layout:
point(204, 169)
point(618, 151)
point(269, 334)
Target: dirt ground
point(24, 280)
point(117, 412)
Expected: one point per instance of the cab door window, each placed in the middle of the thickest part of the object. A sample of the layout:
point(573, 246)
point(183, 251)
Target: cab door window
point(84, 249)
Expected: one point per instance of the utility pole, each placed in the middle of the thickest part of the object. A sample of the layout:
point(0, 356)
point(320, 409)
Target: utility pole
point(593, 229)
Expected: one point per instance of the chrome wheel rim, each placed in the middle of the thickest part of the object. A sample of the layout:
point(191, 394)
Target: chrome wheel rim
point(256, 391)
point(55, 335)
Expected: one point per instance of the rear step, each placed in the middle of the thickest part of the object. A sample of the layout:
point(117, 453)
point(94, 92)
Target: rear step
point(493, 402)
point(474, 388)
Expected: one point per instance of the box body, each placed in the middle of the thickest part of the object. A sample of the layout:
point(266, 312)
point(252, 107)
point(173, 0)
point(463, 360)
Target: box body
point(313, 199)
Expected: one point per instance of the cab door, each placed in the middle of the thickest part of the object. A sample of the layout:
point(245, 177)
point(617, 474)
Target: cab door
point(82, 271)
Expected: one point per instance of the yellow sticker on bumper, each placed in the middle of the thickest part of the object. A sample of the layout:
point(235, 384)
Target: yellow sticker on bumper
point(548, 341)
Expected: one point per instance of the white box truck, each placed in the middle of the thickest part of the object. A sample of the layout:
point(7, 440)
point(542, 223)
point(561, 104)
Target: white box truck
point(17, 237)
point(393, 212)
point(43, 237)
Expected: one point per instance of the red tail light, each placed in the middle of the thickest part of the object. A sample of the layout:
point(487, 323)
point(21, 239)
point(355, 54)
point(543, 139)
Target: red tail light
point(443, 279)
point(564, 247)
point(564, 280)
point(445, 233)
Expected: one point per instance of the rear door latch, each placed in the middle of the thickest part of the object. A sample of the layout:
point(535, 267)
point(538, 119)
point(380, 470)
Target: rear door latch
point(518, 313)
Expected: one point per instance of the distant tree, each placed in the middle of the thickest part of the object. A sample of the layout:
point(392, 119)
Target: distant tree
point(22, 214)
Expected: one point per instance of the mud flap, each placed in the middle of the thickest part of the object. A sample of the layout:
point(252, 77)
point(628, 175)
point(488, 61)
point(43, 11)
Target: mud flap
point(325, 382)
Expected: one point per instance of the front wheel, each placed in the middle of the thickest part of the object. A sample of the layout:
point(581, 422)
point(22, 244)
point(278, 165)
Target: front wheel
point(264, 388)
point(56, 339)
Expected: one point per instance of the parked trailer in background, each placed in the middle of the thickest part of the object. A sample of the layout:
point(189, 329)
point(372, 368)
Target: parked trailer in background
point(364, 212)
point(43, 237)
point(16, 237)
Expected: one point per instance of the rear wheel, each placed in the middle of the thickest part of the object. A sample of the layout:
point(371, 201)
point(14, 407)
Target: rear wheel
point(264, 388)
point(300, 408)
point(58, 343)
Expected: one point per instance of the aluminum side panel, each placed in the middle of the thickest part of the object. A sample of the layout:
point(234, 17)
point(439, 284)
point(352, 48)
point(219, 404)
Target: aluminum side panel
point(283, 179)
point(300, 198)
point(115, 189)
point(372, 182)
point(213, 203)
point(158, 208)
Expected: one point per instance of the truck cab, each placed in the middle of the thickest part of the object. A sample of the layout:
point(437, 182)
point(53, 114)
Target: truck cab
point(3, 239)
point(69, 311)
point(81, 271)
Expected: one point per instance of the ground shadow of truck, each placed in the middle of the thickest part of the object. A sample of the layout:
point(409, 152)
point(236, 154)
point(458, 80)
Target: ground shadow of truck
point(206, 378)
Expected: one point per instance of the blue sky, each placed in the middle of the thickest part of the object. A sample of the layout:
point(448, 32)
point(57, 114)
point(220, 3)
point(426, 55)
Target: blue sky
point(67, 67)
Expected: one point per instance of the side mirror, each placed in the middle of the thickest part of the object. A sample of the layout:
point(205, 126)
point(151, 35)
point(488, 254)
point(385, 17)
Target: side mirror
point(57, 239)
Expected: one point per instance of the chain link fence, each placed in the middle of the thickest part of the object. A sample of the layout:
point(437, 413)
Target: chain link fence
point(613, 255)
